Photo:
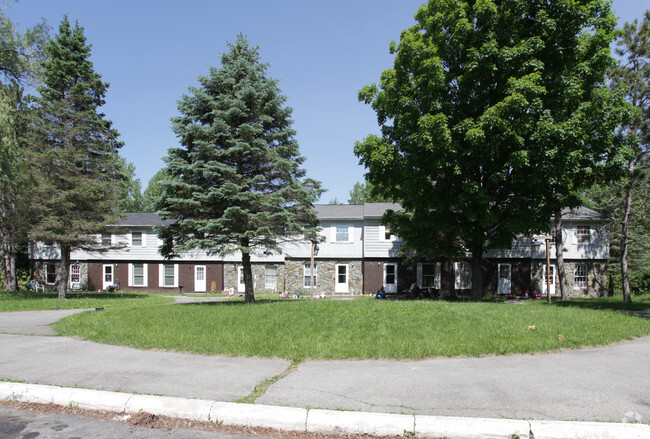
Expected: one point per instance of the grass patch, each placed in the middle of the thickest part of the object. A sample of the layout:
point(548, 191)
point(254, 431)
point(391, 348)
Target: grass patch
point(360, 329)
point(31, 301)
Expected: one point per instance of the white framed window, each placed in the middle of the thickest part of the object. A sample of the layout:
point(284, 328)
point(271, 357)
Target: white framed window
point(50, 273)
point(137, 239)
point(168, 275)
point(138, 275)
point(270, 277)
point(583, 234)
point(580, 277)
point(462, 275)
point(75, 273)
point(107, 239)
point(342, 233)
point(307, 275)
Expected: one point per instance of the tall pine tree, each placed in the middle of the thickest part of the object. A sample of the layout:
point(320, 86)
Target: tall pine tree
point(73, 148)
point(236, 183)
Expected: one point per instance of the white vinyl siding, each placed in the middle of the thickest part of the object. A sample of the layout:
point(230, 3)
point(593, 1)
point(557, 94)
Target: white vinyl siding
point(138, 275)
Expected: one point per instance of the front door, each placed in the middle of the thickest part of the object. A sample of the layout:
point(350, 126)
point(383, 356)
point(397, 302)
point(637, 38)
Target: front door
point(544, 281)
point(341, 286)
point(241, 286)
point(199, 279)
point(505, 278)
point(390, 278)
point(108, 276)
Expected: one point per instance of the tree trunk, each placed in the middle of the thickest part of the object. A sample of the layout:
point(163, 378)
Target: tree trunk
point(249, 290)
point(559, 257)
point(477, 274)
point(8, 240)
point(9, 265)
point(625, 230)
point(63, 273)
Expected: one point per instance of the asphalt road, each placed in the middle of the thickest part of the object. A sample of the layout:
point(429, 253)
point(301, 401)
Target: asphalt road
point(23, 424)
point(595, 384)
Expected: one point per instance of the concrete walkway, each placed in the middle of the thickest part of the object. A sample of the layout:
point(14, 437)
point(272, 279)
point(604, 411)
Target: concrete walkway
point(598, 384)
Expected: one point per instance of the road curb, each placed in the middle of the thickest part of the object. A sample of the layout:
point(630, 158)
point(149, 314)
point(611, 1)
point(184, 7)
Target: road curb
point(316, 420)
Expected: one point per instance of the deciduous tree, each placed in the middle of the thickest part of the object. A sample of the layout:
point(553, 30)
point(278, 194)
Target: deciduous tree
point(236, 183)
point(494, 114)
point(632, 74)
point(19, 57)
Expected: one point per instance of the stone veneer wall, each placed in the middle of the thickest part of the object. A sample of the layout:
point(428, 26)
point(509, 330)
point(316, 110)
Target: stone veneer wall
point(596, 277)
point(38, 271)
point(259, 277)
point(325, 276)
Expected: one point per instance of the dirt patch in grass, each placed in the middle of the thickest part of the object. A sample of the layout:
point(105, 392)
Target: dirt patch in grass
point(148, 420)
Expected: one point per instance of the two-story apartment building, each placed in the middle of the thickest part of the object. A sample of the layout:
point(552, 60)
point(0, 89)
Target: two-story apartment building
point(357, 254)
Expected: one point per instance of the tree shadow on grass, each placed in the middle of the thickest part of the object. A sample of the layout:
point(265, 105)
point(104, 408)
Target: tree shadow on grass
point(23, 295)
point(615, 304)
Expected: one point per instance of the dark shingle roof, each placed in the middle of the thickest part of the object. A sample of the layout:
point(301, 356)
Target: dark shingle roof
point(339, 211)
point(583, 213)
point(142, 219)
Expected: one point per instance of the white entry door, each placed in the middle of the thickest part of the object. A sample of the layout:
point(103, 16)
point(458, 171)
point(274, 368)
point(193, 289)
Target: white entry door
point(390, 278)
point(342, 277)
point(108, 276)
point(505, 278)
point(544, 281)
point(199, 278)
point(241, 287)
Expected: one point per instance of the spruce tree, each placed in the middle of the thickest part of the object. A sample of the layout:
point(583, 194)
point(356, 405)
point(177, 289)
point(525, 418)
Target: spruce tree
point(73, 149)
point(236, 184)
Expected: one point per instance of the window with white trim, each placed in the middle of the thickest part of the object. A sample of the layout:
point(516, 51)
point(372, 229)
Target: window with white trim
point(580, 277)
point(270, 277)
point(136, 239)
point(138, 275)
point(342, 233)
point(168, 275)
point(583, 234)
point(307, 275)
point(462, 275)
point(387, 234)
point(428, 275)
point(107, 239)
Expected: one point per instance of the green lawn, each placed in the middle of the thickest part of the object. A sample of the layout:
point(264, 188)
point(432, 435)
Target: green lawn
point(304, 329)
point(30, 301)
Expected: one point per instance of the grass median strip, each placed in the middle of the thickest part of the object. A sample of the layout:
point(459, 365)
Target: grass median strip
point(262, 387)
point(360, 329)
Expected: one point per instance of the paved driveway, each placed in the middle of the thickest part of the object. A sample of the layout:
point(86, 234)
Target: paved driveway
point(604, 384)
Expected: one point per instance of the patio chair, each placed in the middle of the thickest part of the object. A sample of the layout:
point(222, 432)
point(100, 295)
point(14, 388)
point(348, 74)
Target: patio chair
point(35, 285)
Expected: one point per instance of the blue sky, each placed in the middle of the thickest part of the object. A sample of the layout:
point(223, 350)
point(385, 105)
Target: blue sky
point(322, 52)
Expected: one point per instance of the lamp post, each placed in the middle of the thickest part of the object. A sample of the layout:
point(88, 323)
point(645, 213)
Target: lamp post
point(314, 251)
point(535, 245)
